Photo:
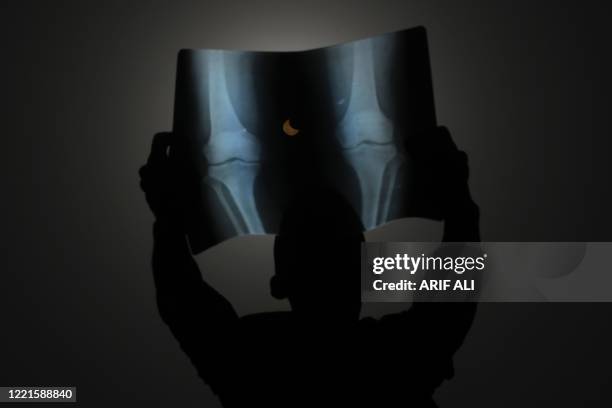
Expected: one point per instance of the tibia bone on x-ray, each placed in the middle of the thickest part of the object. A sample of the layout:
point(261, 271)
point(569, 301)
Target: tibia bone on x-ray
point(232, 152)
point(352, 109)
point(366, 136)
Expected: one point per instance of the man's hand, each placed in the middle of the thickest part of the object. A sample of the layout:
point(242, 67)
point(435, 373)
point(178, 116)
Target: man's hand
point(440, 171)
point(160, 181)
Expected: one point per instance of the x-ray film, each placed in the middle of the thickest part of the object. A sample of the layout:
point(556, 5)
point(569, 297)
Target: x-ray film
point(256, 128)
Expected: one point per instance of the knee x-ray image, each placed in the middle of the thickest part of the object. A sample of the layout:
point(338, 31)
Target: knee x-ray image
point(257, 128)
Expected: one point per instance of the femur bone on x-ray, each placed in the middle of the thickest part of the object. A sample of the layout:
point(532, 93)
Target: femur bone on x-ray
point(255, 128)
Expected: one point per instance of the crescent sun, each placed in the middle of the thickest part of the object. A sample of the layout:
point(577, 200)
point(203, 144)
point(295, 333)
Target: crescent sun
point(288, 129)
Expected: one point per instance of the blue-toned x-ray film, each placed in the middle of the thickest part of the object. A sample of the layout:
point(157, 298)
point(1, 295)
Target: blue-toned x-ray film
point(256, 128)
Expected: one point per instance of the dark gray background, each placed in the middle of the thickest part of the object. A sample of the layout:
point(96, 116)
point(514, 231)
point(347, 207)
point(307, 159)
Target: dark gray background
point(524, 88)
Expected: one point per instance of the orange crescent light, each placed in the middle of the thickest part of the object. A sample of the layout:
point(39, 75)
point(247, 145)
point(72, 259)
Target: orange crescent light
point(288, 129)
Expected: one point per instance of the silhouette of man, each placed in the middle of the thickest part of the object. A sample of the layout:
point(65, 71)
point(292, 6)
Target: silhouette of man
point(320, 353)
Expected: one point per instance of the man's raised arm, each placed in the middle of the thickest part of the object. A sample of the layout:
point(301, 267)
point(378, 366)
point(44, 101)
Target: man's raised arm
point(200, 318)
point(437, 329)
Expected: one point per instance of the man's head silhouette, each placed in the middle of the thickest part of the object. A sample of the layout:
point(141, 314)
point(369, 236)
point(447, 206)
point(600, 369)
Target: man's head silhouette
point(317, 257)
